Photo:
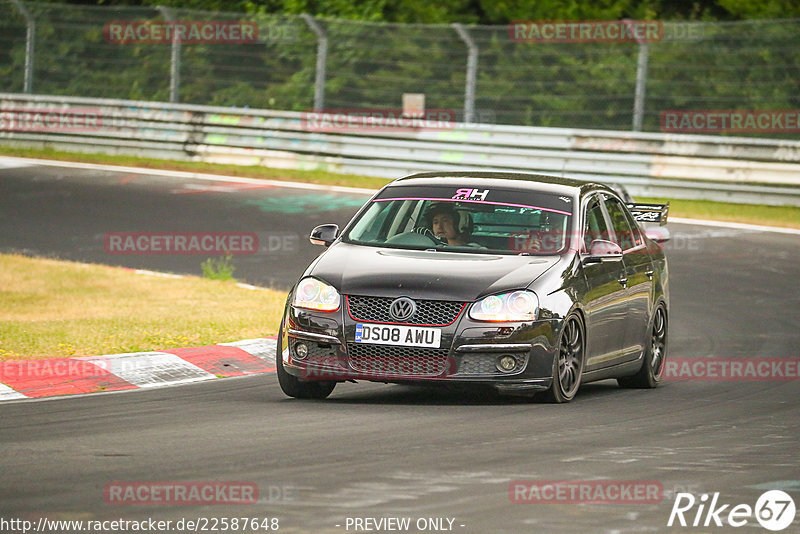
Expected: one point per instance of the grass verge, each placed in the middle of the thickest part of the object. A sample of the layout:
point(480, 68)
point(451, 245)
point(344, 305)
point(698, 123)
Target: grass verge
point(51, 308)
point(248, 171)
point(785, 216)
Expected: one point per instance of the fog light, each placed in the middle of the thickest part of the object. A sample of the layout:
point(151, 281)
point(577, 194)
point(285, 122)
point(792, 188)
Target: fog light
point(506, 363)
point(301, 351)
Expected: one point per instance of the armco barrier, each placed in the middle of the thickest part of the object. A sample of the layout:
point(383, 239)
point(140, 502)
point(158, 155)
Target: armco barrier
point(734, 169)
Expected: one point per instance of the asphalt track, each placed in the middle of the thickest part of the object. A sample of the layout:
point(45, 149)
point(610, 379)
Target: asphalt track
point(69, 212)
point(391, 451)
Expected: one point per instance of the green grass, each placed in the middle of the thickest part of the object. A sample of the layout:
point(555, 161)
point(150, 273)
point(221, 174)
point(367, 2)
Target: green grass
point(219, 268)
point(786, 216)
point(697, 209)
point(51, 308)
point(249, 171)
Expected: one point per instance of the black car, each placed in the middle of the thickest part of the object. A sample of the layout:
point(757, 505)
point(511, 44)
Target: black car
point(522, 282)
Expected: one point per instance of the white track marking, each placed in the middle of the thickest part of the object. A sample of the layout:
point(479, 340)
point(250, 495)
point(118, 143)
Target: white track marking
point(194, 175)
point(6, 393)
point(13, 163)
point(149, 369)
point(260, 348)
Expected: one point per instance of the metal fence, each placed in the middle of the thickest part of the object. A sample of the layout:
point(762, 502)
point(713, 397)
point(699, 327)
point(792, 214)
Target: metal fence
point(483, 72)
point(760, 171)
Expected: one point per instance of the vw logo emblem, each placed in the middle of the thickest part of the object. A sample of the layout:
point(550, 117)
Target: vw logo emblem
point(402, 308)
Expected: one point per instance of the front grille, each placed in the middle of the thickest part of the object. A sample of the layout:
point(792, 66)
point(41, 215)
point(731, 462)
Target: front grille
point(317, 352)
point(477, 364)
point(389, 360)
point(484, 364)
point(429, 312)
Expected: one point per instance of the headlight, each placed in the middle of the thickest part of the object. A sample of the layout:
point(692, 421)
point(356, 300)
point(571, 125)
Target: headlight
point(516, 306)
point(316, 295)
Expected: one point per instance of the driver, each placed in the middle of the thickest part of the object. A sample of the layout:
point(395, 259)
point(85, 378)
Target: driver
point(449, 225)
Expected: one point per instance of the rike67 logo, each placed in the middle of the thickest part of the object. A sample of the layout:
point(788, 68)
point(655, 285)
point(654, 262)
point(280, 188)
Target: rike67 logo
point(774, 510)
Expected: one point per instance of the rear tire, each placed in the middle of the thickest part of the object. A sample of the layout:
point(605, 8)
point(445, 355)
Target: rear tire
point(655, 356)
point(294, 387)
point(568, 363)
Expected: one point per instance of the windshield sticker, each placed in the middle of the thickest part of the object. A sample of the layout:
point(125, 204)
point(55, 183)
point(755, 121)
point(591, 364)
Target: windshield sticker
point(481, 198)
point(470, 194)
point(508, 204)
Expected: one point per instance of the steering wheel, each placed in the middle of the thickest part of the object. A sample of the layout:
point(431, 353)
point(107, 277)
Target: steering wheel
point(427, 232)
point(419, 237)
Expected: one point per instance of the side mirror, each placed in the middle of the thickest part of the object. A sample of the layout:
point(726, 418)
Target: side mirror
point(324, 234)
point(602, 250)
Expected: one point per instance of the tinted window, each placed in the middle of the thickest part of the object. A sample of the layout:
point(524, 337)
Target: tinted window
point(625, 237)
point(480, 220)
point(595, 226)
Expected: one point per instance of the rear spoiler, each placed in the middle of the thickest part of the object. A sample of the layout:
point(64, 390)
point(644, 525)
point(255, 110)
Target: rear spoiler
point(649, 213)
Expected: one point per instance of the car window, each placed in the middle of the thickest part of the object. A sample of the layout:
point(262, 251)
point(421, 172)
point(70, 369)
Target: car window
point(377, 224)
point(595, 226)
point(637, 229)
point(510, 222)
point(625, 236)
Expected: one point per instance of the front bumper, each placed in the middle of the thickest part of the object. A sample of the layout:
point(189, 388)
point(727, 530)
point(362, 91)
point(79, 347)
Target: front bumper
point(467, 356)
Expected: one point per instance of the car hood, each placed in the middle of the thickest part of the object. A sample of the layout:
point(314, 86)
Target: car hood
point(362, 270)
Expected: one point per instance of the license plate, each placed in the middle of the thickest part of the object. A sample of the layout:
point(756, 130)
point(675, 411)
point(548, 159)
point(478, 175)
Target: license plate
point(408, 336)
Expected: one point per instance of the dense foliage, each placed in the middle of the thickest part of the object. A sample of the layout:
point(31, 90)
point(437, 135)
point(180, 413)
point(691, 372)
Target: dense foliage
point(379, 49)
point(492, 11)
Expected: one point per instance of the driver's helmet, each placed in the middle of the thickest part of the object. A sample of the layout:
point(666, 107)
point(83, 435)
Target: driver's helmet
point(462, 218)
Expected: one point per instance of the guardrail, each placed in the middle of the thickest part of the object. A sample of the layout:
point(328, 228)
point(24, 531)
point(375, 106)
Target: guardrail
point(746, 170)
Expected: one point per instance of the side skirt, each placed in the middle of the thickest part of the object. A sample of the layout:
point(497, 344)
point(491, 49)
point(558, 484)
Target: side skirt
point(622, 369)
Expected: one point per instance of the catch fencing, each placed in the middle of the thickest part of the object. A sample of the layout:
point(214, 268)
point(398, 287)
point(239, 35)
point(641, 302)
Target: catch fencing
point(531, 73)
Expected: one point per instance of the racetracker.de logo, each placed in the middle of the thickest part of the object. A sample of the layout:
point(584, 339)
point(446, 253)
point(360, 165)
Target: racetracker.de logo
point(183, 31)
point(50, 120)
point(733, 369)
point(376, 120)
point(180, 493)
point(586, 491)
point(730, 121)
point(188, 243)
point(328, 368)
point(586, 31)
point(72, 368)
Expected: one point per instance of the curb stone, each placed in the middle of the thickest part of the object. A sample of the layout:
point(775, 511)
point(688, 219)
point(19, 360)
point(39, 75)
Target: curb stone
point(24, 379)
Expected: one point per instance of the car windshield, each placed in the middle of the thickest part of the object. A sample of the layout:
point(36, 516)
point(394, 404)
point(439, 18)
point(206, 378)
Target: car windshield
point(464, 219)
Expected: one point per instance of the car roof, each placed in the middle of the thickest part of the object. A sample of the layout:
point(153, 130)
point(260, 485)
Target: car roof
point(521, 180)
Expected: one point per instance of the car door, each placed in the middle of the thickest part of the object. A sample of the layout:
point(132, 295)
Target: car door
point(605, 299)
point(638, 276)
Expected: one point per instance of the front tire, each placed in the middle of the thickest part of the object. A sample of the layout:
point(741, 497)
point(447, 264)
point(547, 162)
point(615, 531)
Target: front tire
point(655, 356)
point(568, 363)
point(294, 387)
